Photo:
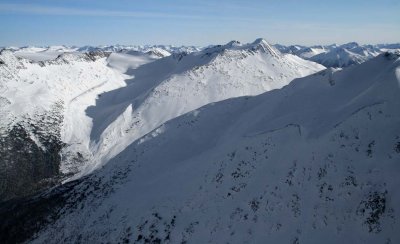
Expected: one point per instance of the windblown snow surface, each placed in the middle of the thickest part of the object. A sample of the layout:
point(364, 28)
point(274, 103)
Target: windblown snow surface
point(316, 161)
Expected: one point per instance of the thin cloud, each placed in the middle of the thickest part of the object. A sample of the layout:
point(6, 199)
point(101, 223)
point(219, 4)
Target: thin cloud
point(45, 10)
point(48, 10)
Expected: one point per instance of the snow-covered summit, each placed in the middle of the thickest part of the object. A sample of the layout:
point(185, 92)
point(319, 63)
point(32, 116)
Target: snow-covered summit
point(259, 44)
point(350, 45)
point(263, 45)
point(214, 74)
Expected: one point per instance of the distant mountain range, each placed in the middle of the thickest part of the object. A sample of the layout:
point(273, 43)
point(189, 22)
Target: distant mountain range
point(337, 56)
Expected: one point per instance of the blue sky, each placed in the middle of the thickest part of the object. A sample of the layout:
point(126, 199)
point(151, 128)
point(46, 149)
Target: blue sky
point(185, 22)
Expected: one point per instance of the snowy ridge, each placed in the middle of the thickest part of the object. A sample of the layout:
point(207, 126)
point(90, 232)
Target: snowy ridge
point(165, 49)
point(108, 100)
point(214, 74)
point(222, 173)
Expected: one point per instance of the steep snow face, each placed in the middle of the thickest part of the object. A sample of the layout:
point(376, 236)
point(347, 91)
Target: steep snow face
point(316, 161)
point(169, 87)
point(42, 110)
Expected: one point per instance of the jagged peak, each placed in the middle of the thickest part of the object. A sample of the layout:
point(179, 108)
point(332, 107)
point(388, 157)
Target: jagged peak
point(259, 44)
point(260, 41)
point(263, 45)
point(350, 45)
point(233, 43)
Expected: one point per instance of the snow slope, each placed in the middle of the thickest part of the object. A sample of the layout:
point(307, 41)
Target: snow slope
point(316, 161)
point(171, 86)
point(42, 108)
point(98, 103)
point(31, 85)
point(43, 53)
point(38, 56)
point(123, 62)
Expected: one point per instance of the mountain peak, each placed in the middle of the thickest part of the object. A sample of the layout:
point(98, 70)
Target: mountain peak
point(350, 45)
point(260, 41)
point(263, 45)
point(232, 43)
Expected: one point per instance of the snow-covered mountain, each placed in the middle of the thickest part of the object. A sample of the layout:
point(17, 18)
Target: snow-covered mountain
point(315, 160)
point(338, 56)
point(289, 49)
point(37, 101)
point(184, 82)
point(93, 105)
point(309, 52)
point(346, 55)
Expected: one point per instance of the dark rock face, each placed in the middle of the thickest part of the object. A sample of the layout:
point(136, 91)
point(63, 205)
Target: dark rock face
point(21, 218)
point(30, 155)
point(372, 208)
